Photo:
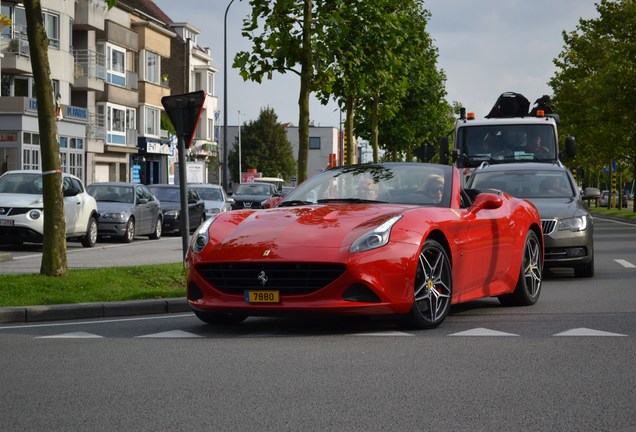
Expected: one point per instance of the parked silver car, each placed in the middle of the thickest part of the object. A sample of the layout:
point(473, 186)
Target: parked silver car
point(126, 210)
point(568, 227)
point(22, 209)
point(214, 197)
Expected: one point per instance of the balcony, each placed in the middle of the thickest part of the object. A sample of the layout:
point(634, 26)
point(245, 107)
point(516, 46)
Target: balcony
point(90, 70)
point(96, 129)
point(90, 14)
point(17, 57)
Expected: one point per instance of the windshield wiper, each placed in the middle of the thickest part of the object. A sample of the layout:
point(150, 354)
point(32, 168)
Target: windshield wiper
point(293, 203)
point(348, 200)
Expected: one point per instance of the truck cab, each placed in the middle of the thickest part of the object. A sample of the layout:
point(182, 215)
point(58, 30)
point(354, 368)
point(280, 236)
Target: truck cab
point(509, 133)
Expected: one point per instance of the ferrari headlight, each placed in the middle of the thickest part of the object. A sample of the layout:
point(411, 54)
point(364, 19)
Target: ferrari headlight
point(573, 224)
point(201, 237)
point(375, 238)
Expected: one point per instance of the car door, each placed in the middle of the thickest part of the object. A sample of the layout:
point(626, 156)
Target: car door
point(73, 205)
point(487, 247)
point(152, 208)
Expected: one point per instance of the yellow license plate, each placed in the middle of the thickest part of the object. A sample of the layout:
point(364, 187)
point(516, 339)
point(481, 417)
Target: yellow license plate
point(262, 296)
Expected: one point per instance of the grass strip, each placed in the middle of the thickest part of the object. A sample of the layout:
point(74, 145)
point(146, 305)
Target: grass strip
point(94, 285)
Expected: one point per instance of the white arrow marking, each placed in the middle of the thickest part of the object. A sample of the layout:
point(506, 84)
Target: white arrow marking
point(587, 332)
point(387, 333)
point(72, 335)
point(480, 331)
point(624, 263)
point(171, 334)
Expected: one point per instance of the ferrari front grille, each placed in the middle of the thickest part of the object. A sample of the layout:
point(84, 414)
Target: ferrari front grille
point(288, 278)
point(548, 225)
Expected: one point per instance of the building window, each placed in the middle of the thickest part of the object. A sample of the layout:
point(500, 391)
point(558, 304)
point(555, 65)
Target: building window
point(152, 118)
point(115, 63)
point(314, 143)
point(210, 88)
point(52, 28)
point(152, 65)
point(118, 119)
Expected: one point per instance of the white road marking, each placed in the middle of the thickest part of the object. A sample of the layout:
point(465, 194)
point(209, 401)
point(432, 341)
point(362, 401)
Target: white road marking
point(115, 320)
point(587, 332)
point(386, 333)
point(625, 264)
point(72, 335)
point(480, 331)
point(171, 334)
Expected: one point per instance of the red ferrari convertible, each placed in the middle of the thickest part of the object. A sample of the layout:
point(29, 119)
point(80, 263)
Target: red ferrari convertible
point(401, 239)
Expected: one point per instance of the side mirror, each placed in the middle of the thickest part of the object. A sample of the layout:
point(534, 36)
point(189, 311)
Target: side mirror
point(591, 193)
point(230, 200)
point(484, 201)
point(142, 201)
point(70, 192)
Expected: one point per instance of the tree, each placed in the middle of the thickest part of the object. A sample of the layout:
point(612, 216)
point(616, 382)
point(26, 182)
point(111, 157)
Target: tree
point(594, 85)
point(286, 43)
point(54, 261)
point(265, 147)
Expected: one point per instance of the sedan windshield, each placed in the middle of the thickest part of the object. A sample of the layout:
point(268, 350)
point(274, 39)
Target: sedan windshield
point(108, 193)
point(526, 184)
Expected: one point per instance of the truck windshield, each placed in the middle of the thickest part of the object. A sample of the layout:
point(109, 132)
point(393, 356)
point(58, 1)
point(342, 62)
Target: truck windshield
point(506, 143)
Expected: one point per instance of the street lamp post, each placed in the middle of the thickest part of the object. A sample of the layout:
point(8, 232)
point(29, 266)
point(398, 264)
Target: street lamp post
point(239, 147)
point(226, 180)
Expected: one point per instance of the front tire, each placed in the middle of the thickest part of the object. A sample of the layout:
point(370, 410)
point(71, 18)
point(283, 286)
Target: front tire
point(528, 287)
point(433, 290)
point(129, 235)
point(90, 238)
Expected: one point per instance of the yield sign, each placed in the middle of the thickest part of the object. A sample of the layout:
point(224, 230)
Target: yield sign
point(184, 111)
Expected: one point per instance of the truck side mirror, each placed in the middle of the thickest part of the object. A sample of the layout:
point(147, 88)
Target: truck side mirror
point(570, 146)
point(443, 150)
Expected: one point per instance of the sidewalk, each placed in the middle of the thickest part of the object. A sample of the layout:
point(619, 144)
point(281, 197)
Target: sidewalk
point(30, 314)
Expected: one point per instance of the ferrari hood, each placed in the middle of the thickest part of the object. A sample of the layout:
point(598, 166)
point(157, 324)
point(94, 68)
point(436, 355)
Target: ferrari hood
point(318, 226)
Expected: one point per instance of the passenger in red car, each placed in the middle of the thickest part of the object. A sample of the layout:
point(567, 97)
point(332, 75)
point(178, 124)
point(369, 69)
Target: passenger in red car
point(434, 187)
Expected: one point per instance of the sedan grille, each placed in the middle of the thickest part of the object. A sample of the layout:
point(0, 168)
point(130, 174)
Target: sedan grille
point(288, 278)
point(548, 226)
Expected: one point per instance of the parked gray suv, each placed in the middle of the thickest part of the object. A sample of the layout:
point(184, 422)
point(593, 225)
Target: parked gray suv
point(568, 227)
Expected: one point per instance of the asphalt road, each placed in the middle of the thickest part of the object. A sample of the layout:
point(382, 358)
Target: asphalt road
point(564, 364)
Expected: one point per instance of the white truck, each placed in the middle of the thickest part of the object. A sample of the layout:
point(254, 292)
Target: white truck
point(509, 133)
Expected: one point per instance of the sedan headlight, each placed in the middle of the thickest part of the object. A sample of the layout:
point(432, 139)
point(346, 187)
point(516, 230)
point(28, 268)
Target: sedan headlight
point(118, 217)
point(375, 238)
point(172, 213)
point(573, 224)
point(201, 238)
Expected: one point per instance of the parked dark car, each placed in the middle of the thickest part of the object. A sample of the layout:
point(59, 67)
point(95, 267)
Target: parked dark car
point(170, 197)
point(253, 195)
point(568, 226)
point(126, 210)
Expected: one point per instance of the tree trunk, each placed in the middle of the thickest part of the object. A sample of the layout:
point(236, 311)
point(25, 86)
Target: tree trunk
point(306, 67)
point(375, 129)
point(349, 131)
point(54, 246)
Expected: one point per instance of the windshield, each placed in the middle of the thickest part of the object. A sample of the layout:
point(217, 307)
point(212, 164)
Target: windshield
point(210, 194)
point(111, 193)
point(254, 189)
point(399, 183)
point(21, 183)
point(526, 184)
point(506, 143)
point(167, 194)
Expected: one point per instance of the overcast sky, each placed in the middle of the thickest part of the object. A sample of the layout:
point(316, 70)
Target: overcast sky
point(485, 48)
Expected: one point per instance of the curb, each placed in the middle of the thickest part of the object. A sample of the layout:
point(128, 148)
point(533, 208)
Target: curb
point(29, 314)
point(4, 256)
